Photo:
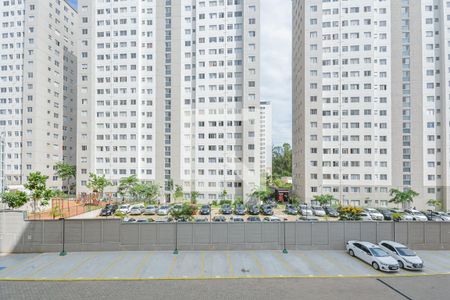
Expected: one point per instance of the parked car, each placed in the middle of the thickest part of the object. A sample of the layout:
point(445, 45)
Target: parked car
point(272, 219)
point(373, 255)
point(201, 220)
point(364, 216)
point(129, 220)
point(272, 202)
point(106, 211)
point(163, 210)
point(291, 209)
point(226, 209)
point(374, 214)
point(443, 215)
point(142, 221)
point(164, 220)
point(266, 209)
point(308, 218)
point(387, 214)
point(330, 211)
point(406, 258)
point(253, 219)
point(433, 216)
point(253, 210)
point(124, 208)
point(112, 207)
point(205, 209)
point(417, 215)
point(237, 219)
point(403, 215)
point(135, 210)
point(176, 207)
point(318, 211)
point(305, 210)
point(239, 210)
point(150, 210)
point(219, 219)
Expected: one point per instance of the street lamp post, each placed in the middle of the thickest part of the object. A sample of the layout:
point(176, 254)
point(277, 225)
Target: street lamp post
point(284, 237)
point(63, 252)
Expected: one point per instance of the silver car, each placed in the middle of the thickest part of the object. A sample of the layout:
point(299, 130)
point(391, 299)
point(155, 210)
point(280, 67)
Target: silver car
point(417, 215)
point(150, 210)
point(318, 211)
point(163, 210)
point(374, 214)
point(135, 210)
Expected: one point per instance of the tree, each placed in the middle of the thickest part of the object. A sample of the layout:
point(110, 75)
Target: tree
point(145, 191)
point(404, 198)
point(37, 185)
point(170, 187)
point(223, 195)
point(126, 185)
point(282, 161)
point(98, 183)
point(178, 192)
point(281, 184)
point(66, 172)
point(262, 194)
point(194, 196)
point(324, 199)
point(185, 212)
point(437, 204)
point(14, 199)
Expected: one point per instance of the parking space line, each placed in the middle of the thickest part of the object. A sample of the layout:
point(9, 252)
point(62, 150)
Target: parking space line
point(312, 264)
point(172, 266)
point(230, 265)
point(281, 259)
point(57, 259)
point(15, 267)
point(338, 263)
point(109, 267)
point(258, 263)
point(77, 267)
point(143, 264)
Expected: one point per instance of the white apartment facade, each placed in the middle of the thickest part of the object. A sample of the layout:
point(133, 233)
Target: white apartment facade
point(369, 89)
point(170, 92)
point(37, 87)
point(266, 139)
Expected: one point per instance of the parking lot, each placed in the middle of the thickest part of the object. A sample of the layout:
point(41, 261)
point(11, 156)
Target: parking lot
point(201, 265)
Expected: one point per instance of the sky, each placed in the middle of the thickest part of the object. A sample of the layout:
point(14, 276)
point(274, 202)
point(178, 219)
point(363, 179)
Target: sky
point(275, 65)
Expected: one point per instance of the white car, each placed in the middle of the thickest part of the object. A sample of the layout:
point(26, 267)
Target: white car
point(407, 259)
point(443, 215)
point(375, 214)
point(318, 211)
point(305, 210)
point(417, 215)
point(135, 210)
point(124, 208)
point(373, 255)
point(163, 210)
point(150, 210)
point(364, 216)
point(404, 216)
point(272, 219)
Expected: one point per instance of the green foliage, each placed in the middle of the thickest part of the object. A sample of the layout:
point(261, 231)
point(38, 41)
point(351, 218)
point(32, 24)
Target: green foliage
point(262, 194)
point(282, 161)
point(66, 172)
point(324, 199)
point(98, 183)
point(214, 203)
point(126, 185)
point(399, 197)
point(223, 202)
point(397, 216)
point(144, 191)
point(294, 200)
point(437, 204)
point(185, 212)
point(14, 199)
point(281, 184)
point(238, 201)
point(194, 196)
point(37, 185)
point(349, 213)
point(151, 220)
point(119, 214)
point(56, 212)
point(178, 192)
point(223, 195)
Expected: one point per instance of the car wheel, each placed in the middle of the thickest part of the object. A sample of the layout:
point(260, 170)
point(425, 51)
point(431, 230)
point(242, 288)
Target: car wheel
point(400, 264)
point(375, 266)
point(351, 252)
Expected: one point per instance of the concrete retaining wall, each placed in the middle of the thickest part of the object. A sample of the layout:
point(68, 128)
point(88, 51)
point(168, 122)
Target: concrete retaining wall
point(19, 235)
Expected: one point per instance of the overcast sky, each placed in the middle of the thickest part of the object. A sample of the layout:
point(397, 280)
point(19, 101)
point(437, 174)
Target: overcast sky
point(275, 64)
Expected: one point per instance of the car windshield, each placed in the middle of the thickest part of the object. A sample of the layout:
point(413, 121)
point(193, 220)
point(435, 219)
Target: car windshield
point(378, 252)
point(205, 206)
point(123, 206)
point(403, 251)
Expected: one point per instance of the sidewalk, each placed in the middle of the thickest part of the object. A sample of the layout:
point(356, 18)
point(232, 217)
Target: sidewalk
point(89, 215)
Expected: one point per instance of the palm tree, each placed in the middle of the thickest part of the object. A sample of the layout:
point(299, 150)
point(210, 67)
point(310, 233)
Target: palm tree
point(98, 183)
point(66, 172)
point(324, 199)
point(126, 185)
point(402, 197)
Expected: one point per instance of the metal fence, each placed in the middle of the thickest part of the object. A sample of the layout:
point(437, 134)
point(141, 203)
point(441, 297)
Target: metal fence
point(18, 235)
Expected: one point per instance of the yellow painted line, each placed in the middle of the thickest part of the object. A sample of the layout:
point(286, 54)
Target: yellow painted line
point(77, 267)
point(110, 266)
point(143, 264)
point(258, 263)
point(310, 263)
point(281, 259)
point(15, 267)
point(227, 277)
point(172, 266)
point(57, 259)
point(230, 265)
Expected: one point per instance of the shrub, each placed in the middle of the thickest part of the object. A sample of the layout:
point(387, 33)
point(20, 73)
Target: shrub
point(222, 202)
point(214, 203)
point(119, 214)
point(349, 213)
point(396, 216)
point(186, 212)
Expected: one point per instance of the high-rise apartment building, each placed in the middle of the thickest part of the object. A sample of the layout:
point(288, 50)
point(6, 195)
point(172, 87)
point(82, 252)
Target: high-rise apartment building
point(169, 92)
point(37, 87)
point(370, 99)
point(266, 138)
